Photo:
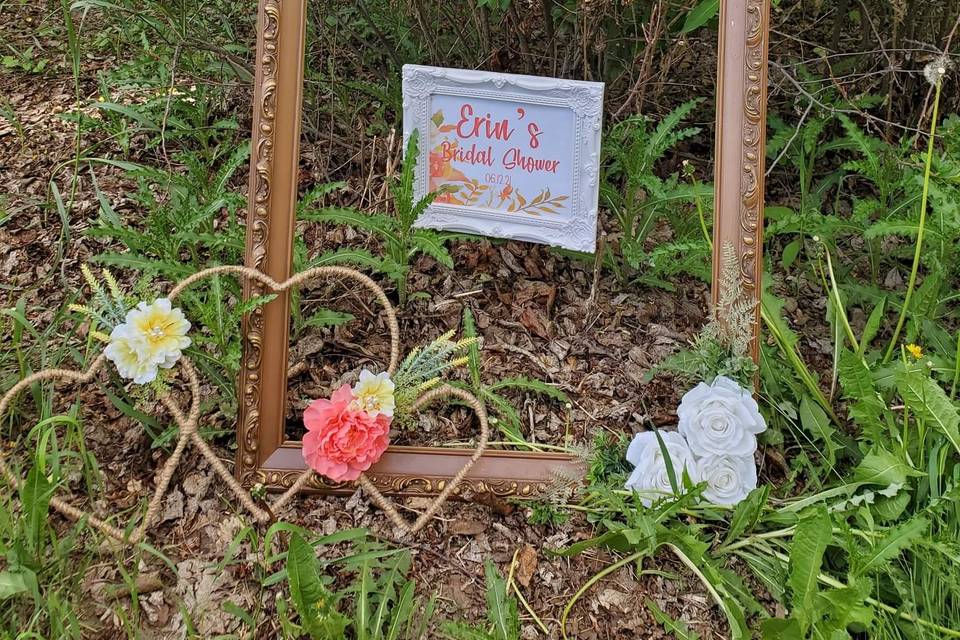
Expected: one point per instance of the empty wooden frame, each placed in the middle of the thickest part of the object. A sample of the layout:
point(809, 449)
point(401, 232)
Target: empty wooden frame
point(264, 455)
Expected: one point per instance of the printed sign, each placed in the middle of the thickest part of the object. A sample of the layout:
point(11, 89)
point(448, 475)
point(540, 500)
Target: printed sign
point(515, 156)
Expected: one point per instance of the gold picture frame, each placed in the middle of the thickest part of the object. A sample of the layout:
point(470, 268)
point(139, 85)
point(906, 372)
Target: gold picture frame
point(264, 455)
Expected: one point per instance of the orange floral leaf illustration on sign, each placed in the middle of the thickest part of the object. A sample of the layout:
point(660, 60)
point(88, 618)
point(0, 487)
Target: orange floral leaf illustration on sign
point(442, 170)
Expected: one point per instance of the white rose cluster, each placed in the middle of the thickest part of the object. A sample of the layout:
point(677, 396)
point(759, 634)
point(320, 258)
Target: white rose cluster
point(717, 432)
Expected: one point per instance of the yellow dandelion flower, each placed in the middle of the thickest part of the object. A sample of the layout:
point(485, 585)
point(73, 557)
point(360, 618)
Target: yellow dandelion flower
point(915, 350)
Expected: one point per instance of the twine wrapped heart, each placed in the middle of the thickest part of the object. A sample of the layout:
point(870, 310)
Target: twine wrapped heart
point(387, 504)
point(188, 425)
point(298, 280)
point(431, 396)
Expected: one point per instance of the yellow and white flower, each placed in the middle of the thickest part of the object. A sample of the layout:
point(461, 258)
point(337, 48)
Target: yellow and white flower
point(125, 354)
point(374, 394)
point(163, 329)
point(152, 336)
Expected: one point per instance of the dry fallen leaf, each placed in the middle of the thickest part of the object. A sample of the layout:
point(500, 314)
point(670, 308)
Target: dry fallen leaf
point(613, 599)
point(526, 564)
point(464, 527)
point(535, 322)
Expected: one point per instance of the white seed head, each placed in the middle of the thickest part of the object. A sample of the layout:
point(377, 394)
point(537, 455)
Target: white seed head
point(935, 71)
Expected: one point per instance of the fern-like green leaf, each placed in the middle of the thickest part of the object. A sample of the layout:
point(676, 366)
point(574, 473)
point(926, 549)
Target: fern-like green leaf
point(666, 135)
point(403, 189)
point(865, 405)
point(356, 257)
point(325, 318)
point(501, 608)
point(532, 385)
point(316, 194)
point(509, 422)
point(429, 243)
point(382, 225)
point(470, 331)
point(889, 546)
point(810, 541)
point(172, 270)
point(312, 600)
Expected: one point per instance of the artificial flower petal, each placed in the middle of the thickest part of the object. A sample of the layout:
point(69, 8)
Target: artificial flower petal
point(342, 441)
point(651, 479)
point(720, 418)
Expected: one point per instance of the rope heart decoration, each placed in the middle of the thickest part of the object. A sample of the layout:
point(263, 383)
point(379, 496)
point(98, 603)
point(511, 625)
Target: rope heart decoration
point(423, 401)
point(188, 425)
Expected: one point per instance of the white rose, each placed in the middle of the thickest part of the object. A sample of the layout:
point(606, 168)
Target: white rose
point(729, 478)
point(720, 419)
point(650, 478)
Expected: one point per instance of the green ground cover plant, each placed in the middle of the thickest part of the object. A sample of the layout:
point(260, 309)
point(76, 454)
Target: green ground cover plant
point(402, 241)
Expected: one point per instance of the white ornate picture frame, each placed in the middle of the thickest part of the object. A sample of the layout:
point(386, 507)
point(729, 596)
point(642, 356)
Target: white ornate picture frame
point(518, 156)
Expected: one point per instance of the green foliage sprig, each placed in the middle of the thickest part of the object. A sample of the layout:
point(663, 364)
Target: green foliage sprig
point(423, 367)
point(506, 417)
point(503, 618)
point(632, 190)
point(722, 348)
point(383, 601)
point(109, 305)
point(402, 241)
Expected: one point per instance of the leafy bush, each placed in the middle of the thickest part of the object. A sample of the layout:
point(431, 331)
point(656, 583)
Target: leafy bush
point(638, 198)
point(866, 546)
point(384, 603)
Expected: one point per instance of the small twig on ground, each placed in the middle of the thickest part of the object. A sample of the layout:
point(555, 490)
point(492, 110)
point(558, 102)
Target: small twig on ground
point(296, 369)
point(144, 583)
